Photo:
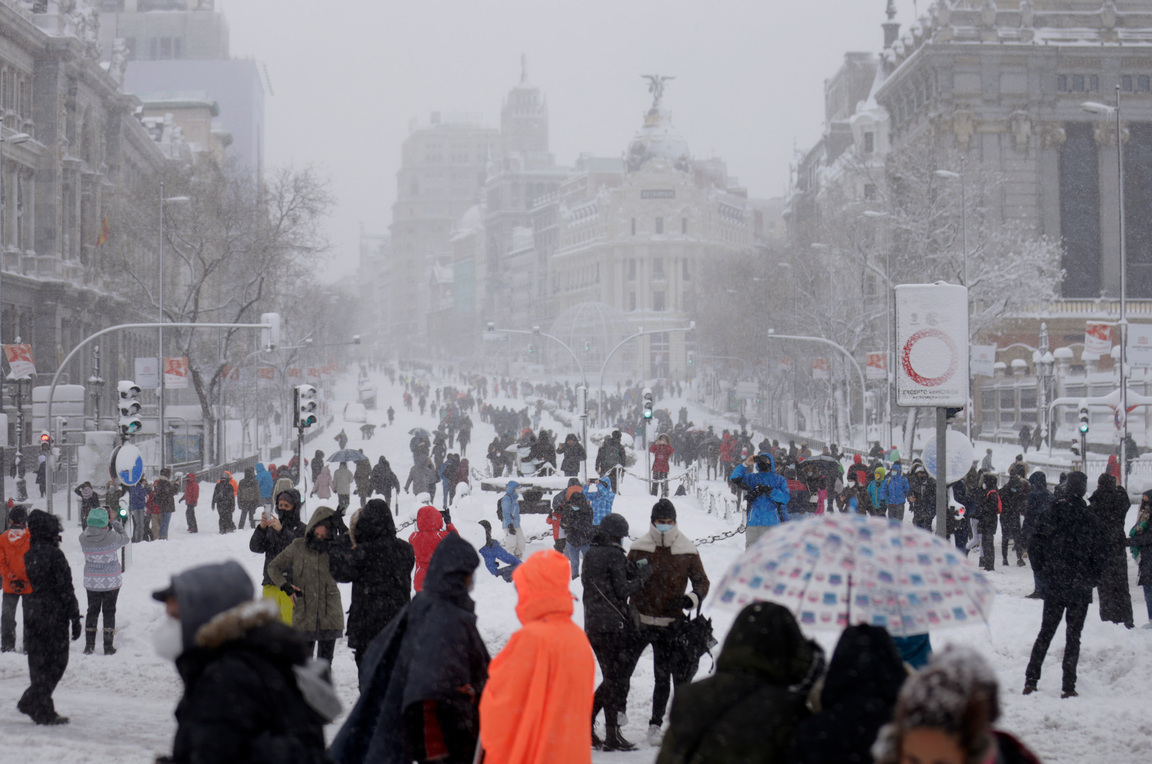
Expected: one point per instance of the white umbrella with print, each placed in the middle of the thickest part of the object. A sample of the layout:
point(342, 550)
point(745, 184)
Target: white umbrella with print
point(835, 570)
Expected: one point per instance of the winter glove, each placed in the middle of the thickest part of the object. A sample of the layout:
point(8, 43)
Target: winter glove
point(644, 572)
point(288, 589)
point(686, 602)
point(76, 630)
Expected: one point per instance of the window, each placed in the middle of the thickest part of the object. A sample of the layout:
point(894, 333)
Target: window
point(631, 301)
point(1143, 84)
point(633, 226)
point(657, 267)
point(684, 225)
point(659, 225)
point(632, 269)
point(658, 302)
point(177, 48)
point(869, 143)
point(165, 47)
point(685, 275)
point(1126, 83)
point(153, 48)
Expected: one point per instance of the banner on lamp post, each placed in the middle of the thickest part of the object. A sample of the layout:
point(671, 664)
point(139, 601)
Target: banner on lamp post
point(877, 366)
point(786, 363)
point(176, 373)
point(1098, 338)
point(147, 375)
point(983, 360)
point(20, 365)
point(1140, 345)
point(820, 368)
point(932, 345)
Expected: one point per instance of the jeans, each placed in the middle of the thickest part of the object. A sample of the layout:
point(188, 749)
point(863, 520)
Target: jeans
point(165, 521)
point(190, 516)
point(574, 553)
point(139, 522)
point(1074, 623)
point(668, 663)
point(896, 512)
point(8, 622)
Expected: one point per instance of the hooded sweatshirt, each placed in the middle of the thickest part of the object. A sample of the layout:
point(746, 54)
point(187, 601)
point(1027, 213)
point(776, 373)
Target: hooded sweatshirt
point(430, 531)
point(102, 570)
point(538, 699)
point(266, 481)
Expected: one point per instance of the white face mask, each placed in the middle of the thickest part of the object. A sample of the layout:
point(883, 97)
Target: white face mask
point(168, 639)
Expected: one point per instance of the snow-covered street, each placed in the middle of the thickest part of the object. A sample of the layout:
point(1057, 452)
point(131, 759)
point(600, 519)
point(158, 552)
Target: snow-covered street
point(121, 706)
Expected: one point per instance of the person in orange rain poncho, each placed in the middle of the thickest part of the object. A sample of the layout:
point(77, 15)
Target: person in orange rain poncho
point(536, 705)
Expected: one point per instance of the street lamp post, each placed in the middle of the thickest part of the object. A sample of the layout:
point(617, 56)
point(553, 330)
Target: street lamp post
point(160, 330)
point(949, 175)
point(14, 139)
point(888, 318)
point(1099, 108)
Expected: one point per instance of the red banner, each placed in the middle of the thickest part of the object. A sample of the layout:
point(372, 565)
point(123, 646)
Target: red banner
point(820, 368)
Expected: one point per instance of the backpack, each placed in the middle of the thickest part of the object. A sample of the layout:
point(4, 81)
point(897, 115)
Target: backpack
point(999, 504)
point(500, 509)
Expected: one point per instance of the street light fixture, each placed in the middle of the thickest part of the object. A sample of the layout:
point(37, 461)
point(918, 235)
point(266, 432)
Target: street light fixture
point(949, 175)
point(1093, 107)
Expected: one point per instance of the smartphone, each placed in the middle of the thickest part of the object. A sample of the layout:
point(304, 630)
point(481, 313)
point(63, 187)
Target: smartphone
point(641, 563)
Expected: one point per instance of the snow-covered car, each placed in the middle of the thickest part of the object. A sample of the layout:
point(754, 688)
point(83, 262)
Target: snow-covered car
point(355, 412)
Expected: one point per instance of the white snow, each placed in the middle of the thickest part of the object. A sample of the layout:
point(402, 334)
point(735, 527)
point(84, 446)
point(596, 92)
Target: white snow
point(121, 706)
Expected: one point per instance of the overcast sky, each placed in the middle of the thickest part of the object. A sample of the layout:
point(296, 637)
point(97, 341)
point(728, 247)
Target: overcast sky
point(348, 76)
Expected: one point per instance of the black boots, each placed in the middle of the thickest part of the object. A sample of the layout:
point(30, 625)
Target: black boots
point(89, 641)
point(108, 648)
point(614, 742)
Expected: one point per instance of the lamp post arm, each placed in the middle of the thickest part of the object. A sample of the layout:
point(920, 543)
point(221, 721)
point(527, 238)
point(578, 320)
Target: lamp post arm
point(843, 350)
point(622, 343)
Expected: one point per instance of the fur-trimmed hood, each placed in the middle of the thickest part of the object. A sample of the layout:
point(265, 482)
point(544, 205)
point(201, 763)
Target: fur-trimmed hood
point(236, 622)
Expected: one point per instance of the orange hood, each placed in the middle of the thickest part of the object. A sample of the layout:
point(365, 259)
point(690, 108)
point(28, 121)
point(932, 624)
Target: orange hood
point(542, 583)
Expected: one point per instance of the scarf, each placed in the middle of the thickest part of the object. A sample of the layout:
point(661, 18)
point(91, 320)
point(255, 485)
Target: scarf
point(1143, 520)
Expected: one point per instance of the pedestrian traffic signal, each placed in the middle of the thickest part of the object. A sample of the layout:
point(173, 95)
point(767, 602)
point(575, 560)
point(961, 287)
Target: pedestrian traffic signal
point(121, 513)
point(304, 406)
point(647, 404)
point(1084, 419)
point(691, 358)
point(130, 423)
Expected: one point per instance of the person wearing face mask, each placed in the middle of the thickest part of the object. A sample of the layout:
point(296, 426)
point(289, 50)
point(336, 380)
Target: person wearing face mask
point(302, 572)
point(423, 675)
point(271, 537)
point(227, 646)
point(89, 500)
point(50, 608)
point(662, 601)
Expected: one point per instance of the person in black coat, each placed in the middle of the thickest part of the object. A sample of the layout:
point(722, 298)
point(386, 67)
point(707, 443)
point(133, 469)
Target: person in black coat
point(250, 693)
point(989, 519)
point(922, 496)
point(749, 709)
point(573, 455)
point(379, 566)
point(422, 676)
point(1038, 503)
point(224, 502)
point(1066, 550)
point(383, 480)
point(860, 690)
point(1013, 499)
point(271, 537)
point(48, 611)
point(1109, 504)
point(609, 579)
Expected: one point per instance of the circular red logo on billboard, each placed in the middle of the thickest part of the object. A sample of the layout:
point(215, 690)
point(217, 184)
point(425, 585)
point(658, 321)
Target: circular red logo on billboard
point(921, 379)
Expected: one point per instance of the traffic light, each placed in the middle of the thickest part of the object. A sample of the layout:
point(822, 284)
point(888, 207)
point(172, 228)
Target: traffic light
point(647, 404)
point(45, 441)
point(304, 406)
point(691, 357)
point(1084, 424)
point(121, 513)
point(531, 348)
point(130, 423)
point(270, 337)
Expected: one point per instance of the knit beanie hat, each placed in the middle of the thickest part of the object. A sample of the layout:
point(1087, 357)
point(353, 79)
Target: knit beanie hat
point(1077, 484)
point(663, 510)
point(98, 518)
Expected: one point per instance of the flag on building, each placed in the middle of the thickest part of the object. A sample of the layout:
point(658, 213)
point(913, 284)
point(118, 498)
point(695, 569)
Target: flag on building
point(105, 229)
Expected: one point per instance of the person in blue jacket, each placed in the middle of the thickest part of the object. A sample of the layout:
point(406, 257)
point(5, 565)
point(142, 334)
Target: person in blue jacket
point(600, 496)
point(768, 494)
point(493, 553)
point(267, 484)
point(895, 492)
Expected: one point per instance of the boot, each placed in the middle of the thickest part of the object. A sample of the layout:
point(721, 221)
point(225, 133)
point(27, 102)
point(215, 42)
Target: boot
point(89, 641)
point(614, 742)
point(108, 648)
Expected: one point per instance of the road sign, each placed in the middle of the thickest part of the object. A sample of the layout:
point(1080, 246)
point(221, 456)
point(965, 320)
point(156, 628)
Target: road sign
point(127, 464)
point(931, 345)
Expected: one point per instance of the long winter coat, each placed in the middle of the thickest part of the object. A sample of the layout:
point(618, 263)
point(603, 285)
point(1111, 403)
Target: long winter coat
point(323, 487)
point(922, 496)
point(242, 701)
point(380, 570)
point(223, 497)
point(858, 697)
point(384, 480)
point(538, 699)
point(271, 542)
point(1144, 542)
point(609, 579)
point(248, 493)
point(576, 519)
point(363, 479)
point(428, 663)
point(1036, 506)
point(1109, 505)
point(318, 611)
point(430, 531)
point(748, 711)
point(1065, 550)
point(573, 455)
point(51, 606)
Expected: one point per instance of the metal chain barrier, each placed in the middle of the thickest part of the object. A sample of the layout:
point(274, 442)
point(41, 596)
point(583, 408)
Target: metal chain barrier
point(721, 536)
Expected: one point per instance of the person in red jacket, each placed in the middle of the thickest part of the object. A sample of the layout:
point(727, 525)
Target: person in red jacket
point(661, 452)
point(190, 498)
point(727, 454)
point(430, 532)
point(13, 544)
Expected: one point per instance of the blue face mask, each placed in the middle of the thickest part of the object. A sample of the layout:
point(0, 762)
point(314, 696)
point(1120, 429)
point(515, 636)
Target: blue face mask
point(663, 527)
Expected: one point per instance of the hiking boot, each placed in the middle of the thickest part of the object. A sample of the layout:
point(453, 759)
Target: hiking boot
point(1020, 563)
point(1033, 596)
point(108, 636)
point(1069, 694)
point(614, 742)
point(1029, 689)
point(655, 735)
point(53, 719)
point(89, 641)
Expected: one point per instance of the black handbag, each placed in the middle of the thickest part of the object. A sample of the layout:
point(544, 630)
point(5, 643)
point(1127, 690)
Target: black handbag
point(693, 636)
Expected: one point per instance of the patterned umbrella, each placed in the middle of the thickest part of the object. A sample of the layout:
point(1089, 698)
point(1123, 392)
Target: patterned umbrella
point(833, 570)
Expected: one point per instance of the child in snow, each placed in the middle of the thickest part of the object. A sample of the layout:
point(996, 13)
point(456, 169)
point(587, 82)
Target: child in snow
point(493, 553)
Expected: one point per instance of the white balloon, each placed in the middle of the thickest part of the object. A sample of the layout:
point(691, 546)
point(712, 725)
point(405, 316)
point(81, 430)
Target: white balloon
point(959, 455)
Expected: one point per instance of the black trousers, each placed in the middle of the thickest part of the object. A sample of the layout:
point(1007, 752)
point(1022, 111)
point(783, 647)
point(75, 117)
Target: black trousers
point(190, 515)
point(617, 655)
point(101, 602)
point(668, 664)
point(988, 551)
point(1074, 615)
point(47, 659)
point(8, 623)
point(1010, 531)
point(324, 648)
point(249, 513)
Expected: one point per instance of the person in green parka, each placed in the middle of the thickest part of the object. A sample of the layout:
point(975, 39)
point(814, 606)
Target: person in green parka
point(302, 572)
point(749, 709)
